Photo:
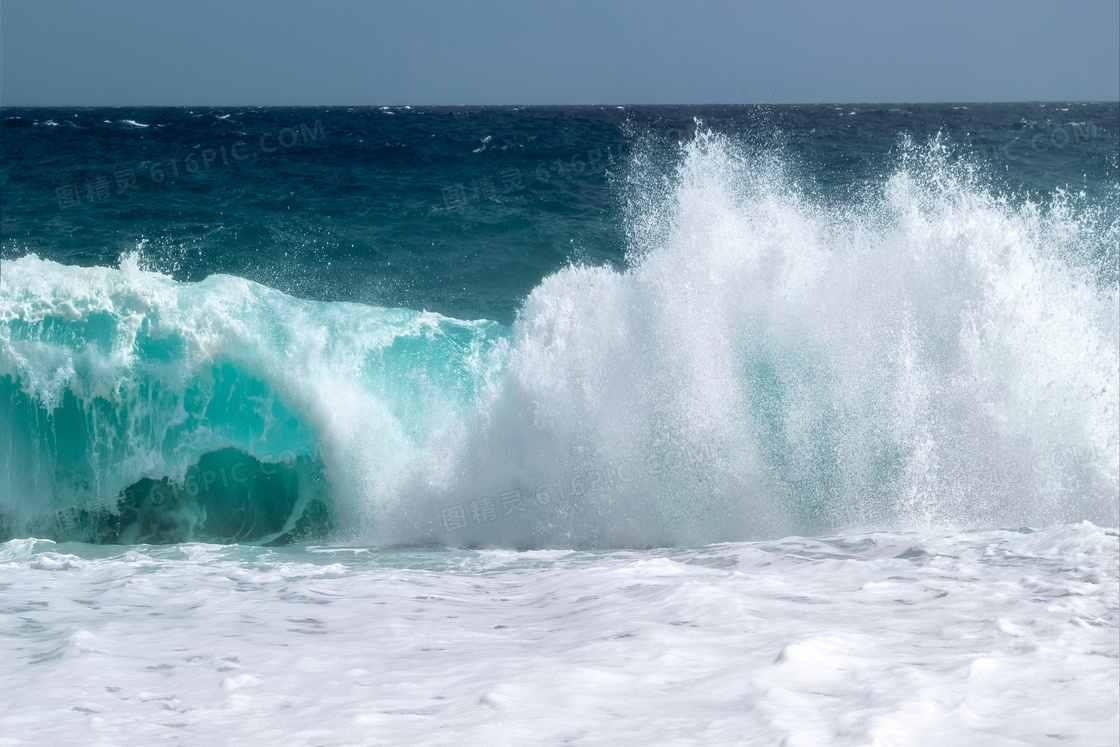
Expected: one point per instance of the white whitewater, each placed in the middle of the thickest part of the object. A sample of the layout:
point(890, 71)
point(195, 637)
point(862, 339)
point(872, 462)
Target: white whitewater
point(919, 638)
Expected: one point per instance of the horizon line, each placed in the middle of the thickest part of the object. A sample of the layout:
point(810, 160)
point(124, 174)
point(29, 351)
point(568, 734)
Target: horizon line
point(542, 106)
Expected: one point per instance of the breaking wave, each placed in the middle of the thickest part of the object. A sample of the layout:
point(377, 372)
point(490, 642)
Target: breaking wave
point(769, 363)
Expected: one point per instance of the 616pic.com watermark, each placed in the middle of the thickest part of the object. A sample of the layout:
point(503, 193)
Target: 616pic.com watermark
point(1053, 137)
point(98, 188)
point(598, 477)
point(1041, 467)
point(512, 179)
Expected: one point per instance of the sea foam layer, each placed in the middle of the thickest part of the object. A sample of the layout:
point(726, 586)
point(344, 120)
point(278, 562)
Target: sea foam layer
point(993, 637)
point(768, 364)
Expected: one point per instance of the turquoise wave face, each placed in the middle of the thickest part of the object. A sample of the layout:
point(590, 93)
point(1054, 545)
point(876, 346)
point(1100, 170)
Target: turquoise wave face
point(138, 409)
point(765, 365)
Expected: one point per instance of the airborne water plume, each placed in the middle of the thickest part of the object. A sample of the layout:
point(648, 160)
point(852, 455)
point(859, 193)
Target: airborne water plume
point(768, 361)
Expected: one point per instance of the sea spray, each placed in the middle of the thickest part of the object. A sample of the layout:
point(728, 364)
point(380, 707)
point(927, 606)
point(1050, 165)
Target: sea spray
point(828, 367)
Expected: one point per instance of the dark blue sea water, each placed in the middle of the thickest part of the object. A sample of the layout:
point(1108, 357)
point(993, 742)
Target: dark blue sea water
point(556, 326)
point(457, 210)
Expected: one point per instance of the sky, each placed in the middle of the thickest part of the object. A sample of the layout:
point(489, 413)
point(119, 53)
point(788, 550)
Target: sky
point(430, 52)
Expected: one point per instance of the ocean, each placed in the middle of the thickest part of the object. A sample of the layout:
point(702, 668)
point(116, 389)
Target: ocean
point(587, 425)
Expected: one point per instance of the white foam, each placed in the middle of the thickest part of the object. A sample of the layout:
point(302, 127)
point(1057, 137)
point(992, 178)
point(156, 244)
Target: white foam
point(914, 638)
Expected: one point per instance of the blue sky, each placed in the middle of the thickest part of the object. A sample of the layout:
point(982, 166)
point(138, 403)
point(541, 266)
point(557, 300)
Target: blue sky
point(331, 52)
